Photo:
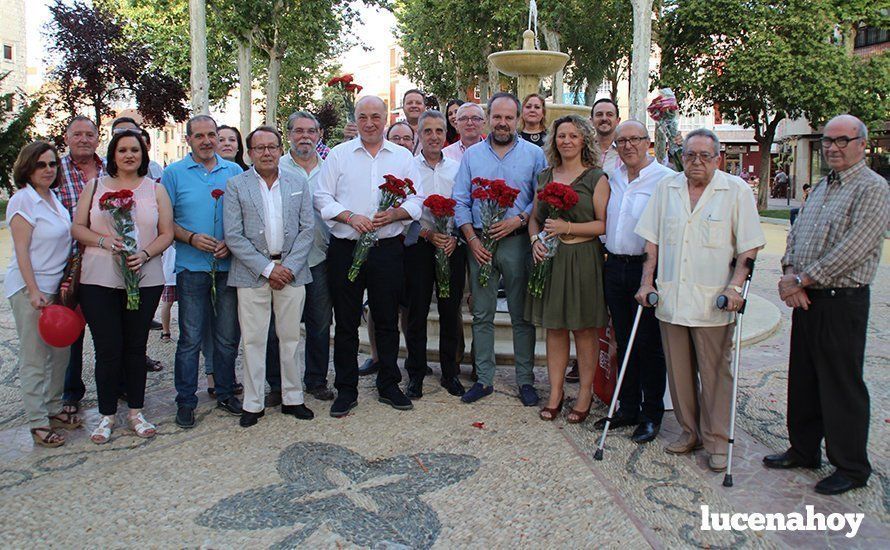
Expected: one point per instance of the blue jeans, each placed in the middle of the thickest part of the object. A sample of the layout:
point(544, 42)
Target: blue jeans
point(318, 314)
point(195, 313)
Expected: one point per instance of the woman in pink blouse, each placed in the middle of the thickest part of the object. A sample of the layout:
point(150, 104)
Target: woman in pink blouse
point(120, 335)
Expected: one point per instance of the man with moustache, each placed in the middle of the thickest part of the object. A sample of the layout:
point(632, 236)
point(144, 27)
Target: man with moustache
point(631, 186)
point(198, 228)
point(502, 156)
point(470, 120)
point(437, 178)
point(346, 198)
point(831, 258)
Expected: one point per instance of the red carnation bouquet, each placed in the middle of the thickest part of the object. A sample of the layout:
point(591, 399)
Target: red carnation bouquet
point(214, 262)
point(495, 198)
point(560, 198)
point(393, 192)
point(119, 205)
point(349, 90)
point(442, 209)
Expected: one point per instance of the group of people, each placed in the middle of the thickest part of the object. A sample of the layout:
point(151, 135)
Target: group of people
point(259, 249)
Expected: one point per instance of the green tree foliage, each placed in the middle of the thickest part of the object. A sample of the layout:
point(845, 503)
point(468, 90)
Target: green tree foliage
point(762, 61)
point(15, 132)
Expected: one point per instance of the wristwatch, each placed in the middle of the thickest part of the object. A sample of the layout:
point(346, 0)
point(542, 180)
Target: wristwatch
point(523, 219)
point(799, 281)
point(736, 288)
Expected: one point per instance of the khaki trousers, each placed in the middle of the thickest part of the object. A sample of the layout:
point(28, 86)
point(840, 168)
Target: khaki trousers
point(700, 379)
point(255, 306)
point(41, 366)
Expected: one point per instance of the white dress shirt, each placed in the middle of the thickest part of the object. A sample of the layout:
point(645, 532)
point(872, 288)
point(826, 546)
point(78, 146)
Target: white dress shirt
point(50, 240)
point(436, 180)
point(350, 180)
point(627, 200)
point(272, 215)
point(455, 151)
point(319, 251)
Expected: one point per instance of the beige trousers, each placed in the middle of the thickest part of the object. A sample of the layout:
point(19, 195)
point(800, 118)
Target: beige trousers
point(255, 306)
point(700, 379)
point(41, 366)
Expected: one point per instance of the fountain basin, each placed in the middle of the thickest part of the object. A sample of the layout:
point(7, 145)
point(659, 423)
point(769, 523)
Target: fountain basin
point(528, 62)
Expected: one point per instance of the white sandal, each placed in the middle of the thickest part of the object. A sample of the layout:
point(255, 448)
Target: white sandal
point(141, 426)
point(102, 433)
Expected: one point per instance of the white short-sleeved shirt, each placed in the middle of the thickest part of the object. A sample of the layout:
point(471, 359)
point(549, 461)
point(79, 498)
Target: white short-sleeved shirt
point(50, 240)
point(695, 248)
point(627, 200)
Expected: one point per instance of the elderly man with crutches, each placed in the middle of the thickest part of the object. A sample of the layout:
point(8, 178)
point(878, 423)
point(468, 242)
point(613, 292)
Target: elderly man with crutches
point(696, 223)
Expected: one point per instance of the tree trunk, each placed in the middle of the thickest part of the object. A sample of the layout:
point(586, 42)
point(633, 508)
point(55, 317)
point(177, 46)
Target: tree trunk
point(551, 38)
point(198, 36)
point(245, 84)
point(850, 38)
point(272, 87)
point(765, 142)
point(639, 66)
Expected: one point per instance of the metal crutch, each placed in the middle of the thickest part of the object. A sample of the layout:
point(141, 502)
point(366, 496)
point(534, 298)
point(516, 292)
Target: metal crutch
point(652, 299)
point(722, 301)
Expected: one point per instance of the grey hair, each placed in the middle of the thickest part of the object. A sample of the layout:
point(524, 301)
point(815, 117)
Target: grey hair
point(428, 115)
point(470, 105)
point(197, 118)
point(703, 132)
point(79, 118)
point(301, 114)
point(860, 126)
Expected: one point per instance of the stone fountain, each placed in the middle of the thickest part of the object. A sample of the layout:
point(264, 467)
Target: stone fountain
point(529, 65)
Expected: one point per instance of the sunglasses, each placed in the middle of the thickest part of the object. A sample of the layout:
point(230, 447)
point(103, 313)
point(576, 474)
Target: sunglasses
point(40, 165)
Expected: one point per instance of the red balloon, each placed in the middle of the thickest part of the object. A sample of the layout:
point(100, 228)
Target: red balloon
point(59, 326)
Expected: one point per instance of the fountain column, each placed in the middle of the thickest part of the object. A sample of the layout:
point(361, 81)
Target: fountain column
point(527, 84)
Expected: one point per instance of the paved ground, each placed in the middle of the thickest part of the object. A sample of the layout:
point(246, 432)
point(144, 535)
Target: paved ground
point(429, 477)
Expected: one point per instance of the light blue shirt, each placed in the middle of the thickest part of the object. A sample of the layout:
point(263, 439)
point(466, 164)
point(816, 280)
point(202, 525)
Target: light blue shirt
point(194, 209)
point(319, 251)
point(519, 168)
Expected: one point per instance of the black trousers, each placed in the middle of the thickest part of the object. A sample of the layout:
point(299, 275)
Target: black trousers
point(119, 337)
point(382, 275)
point(642, 390)
point(827, 396)
point(420, 278)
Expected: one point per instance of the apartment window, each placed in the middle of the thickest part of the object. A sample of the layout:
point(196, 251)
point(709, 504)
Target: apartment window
point(868, 36)
point(7, 52)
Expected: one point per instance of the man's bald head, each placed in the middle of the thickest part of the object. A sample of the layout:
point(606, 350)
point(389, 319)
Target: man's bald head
point(849, 131)
point(631, 126)
point(370, 116)
point(370, 102)
point(632, 143)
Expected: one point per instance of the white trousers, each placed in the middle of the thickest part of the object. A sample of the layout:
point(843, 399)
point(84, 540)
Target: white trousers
point(254, 310)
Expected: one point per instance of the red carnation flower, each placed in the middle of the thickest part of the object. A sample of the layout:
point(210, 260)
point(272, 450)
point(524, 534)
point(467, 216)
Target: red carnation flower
point(217, 193)
point(346, 79)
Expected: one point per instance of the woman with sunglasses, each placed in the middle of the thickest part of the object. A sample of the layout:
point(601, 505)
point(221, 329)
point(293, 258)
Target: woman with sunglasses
point(40, 228)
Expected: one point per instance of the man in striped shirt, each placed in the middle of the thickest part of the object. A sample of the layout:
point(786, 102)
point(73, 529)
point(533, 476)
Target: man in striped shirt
point(830, 260)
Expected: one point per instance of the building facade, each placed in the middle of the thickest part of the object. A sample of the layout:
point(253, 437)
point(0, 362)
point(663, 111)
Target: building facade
point(13, 51)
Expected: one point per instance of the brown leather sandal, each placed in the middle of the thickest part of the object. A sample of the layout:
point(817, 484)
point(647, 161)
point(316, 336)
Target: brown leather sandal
point(552, 412)
point(52, 438)
point(66, 420)
point(576, 417)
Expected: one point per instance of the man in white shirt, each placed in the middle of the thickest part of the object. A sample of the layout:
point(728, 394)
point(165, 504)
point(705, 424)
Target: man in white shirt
point(269, 226)
point(696, 223)
point(631, 185)
point(470, 122)
point(347, 198)
point(605, 119)
point(437, 178)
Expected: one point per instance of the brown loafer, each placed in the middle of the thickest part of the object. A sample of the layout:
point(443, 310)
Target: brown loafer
point(683, 446)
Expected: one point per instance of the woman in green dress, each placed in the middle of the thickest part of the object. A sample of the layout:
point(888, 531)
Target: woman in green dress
point(573, 294)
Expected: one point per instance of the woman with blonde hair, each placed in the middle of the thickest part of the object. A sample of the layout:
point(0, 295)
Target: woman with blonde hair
point(573, 299)
point(533, 125)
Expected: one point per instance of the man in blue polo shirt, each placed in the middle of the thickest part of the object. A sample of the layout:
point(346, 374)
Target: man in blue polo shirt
point(199, 244)
point(502, 156)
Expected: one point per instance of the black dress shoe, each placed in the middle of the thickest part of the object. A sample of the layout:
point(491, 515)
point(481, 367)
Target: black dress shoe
point(785, 461)
point(619, 421)
point(453, 386)
point(414, 389)
point(231, 405)
point(645, 432)
point(342, 406)
point(369, 367)
point(301, 411)
point(272, 399)
point(248, 419)
point(836, 484)
point(395, 399)
point(322, 393)
point(185, 417)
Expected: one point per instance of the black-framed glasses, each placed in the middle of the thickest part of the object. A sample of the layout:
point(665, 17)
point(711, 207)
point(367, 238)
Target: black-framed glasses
point(476, 119)
point(265, 148)
point(693, 157)
point(840, 141)
point(40, 165)
point(633, 140)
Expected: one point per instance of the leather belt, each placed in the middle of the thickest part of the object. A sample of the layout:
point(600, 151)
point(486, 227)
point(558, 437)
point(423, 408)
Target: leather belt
point(835, 292)
point(389, 240)
point(625, 258)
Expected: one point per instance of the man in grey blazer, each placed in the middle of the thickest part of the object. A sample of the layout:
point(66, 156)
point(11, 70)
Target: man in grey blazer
point(269, 225)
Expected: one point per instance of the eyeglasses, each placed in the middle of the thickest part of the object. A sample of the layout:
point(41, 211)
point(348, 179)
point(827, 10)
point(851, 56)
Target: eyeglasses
point(840, 141)
point(476, 119)
point(693, 157)
point(265, 148)
point(633, 140)
point(301, 132)
point(40, 165)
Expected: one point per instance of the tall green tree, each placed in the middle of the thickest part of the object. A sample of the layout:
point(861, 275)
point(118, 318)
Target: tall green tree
point(15, 131)
point(762, 61)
